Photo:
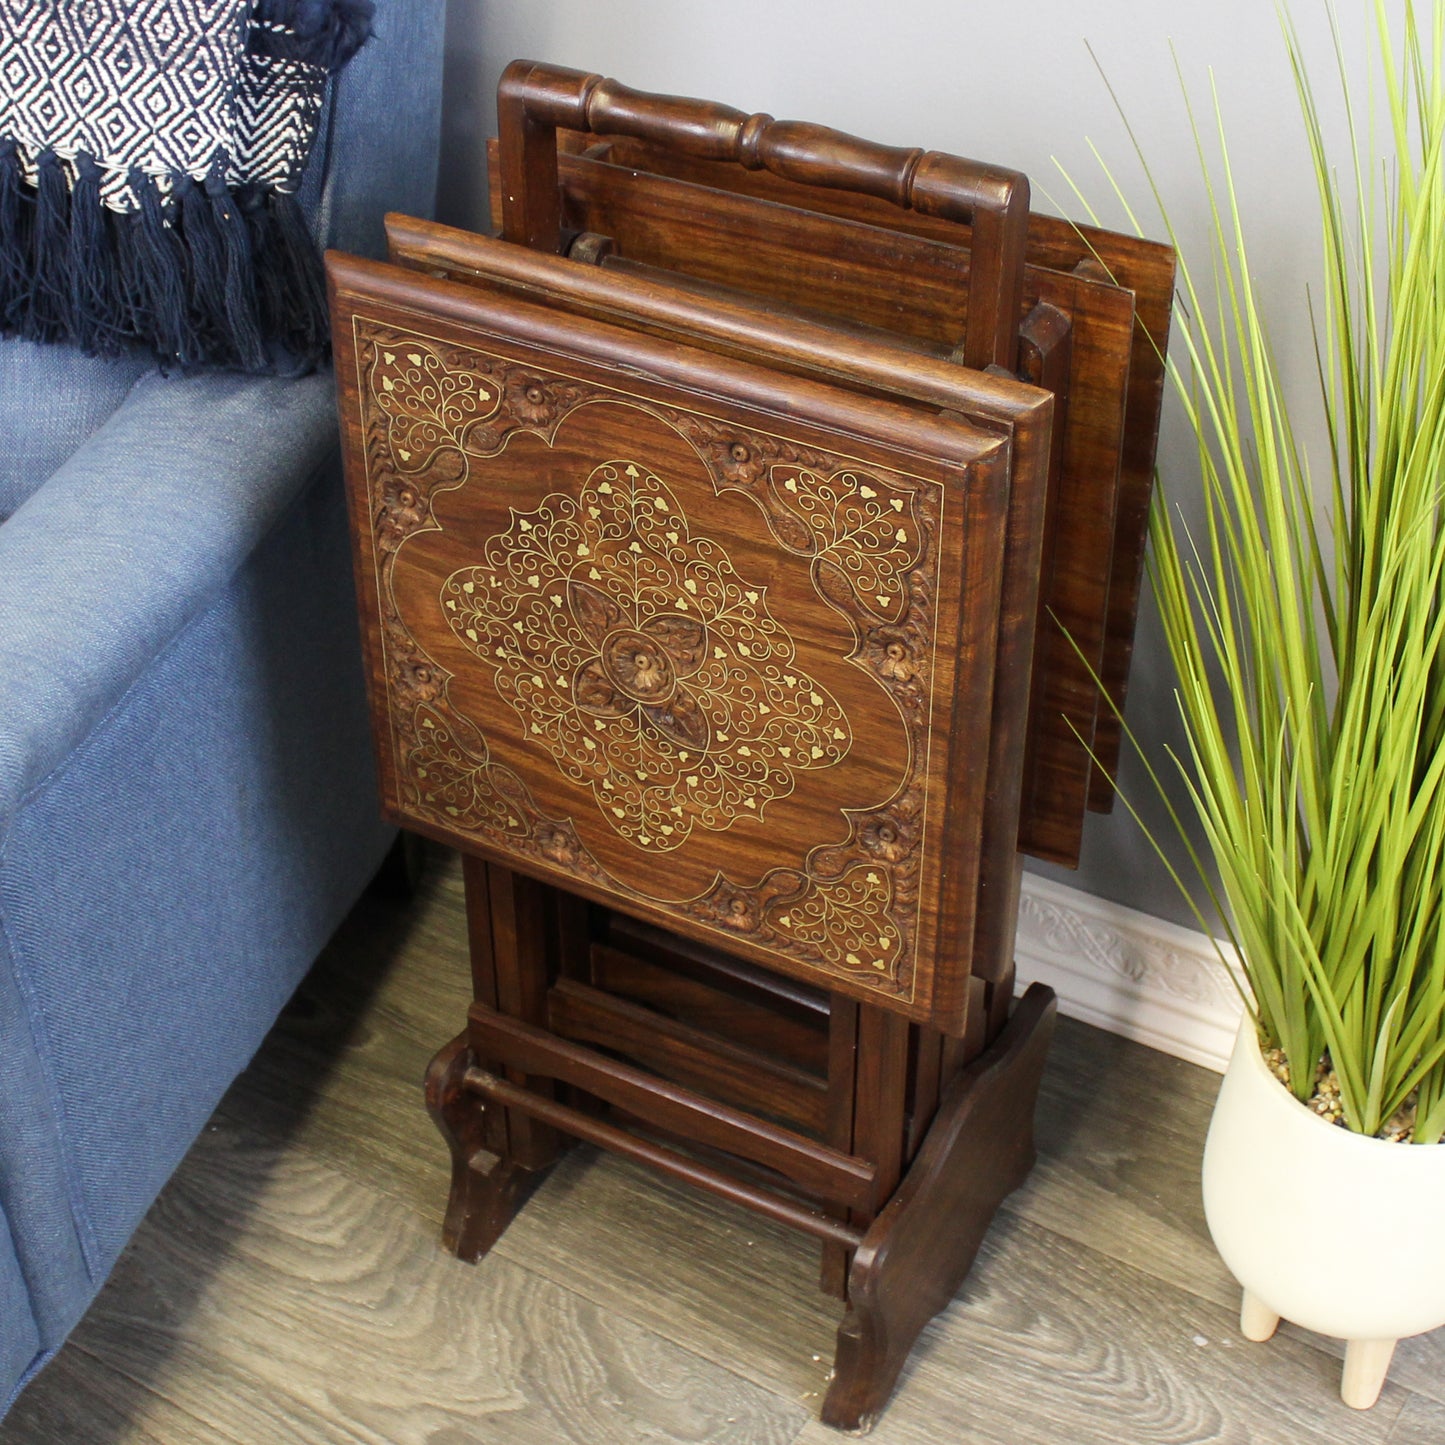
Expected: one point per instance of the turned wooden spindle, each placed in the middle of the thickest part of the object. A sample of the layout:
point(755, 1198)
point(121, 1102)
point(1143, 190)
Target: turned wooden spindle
point(535, 100)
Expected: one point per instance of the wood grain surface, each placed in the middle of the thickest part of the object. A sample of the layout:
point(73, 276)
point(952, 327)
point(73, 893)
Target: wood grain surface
point(288, 1285)
point(746, 705)
point(829, 268)
point(1144, 268)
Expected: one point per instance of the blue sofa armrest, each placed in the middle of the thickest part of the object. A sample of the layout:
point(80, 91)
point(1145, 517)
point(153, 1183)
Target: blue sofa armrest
point(187, 802)
point(133, 537)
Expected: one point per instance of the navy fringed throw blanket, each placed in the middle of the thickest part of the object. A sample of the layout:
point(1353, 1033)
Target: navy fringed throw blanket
point(150, 152)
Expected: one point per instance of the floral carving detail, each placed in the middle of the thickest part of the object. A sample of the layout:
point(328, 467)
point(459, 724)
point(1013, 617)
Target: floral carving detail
point(884, 837)
point(451, 780)
point(858, 525)
point(847, 921)
point(864, 533)
point(642, 646)
point(638, 657)
point(427, 403)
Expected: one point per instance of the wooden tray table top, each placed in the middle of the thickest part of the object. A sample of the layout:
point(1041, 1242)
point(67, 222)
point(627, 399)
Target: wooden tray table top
point(712, 644)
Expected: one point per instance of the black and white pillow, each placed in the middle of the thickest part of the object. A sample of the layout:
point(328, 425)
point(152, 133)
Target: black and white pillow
point(150, 151)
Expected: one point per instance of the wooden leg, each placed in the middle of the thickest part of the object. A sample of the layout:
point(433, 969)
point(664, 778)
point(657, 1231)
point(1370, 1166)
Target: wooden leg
point(914, 1257)
point(1256, 1320)
point(496, 1153)
point(842, 1079)
point(487, 1188)
point(1367, 1362)
point(876, 1080)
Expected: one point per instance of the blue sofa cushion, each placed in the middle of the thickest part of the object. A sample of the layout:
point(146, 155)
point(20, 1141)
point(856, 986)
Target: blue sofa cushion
point(51, 399)
point(96, 578)
point(20, 1342)
point(187, 800)
point(163, 891)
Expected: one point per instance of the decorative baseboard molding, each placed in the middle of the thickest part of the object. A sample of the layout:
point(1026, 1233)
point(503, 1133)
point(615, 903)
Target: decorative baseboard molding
point(1127, 972)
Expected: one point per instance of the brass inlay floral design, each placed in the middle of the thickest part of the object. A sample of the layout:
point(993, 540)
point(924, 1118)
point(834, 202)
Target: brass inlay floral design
point(638, 660)
point(450, 776)
point(847, 922)
point(852, 526)
point(638, 657)
point(428, 404)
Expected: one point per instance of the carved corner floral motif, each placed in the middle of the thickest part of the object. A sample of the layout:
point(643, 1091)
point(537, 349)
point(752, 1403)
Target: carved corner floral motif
point(449, 777)
point(429, 401)
point(847, 921)
point(857, 527)
point(635, 654)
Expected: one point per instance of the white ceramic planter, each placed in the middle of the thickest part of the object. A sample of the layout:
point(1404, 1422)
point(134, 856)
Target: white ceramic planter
point(1336, 1232)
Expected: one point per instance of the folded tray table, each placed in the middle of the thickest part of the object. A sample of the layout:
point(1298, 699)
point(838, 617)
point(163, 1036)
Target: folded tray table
point(704, 624)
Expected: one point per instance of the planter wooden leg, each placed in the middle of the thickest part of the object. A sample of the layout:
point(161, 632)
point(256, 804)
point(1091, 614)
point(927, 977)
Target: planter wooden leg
point(915, 1255)
point(1256, 1320)
point(487, 1187)
point(1367, 1362)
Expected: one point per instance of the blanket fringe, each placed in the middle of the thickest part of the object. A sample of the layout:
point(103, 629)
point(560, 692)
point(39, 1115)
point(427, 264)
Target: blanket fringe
point(92, 298)
point(14, 238)
point(207, 277)
point(49, 291)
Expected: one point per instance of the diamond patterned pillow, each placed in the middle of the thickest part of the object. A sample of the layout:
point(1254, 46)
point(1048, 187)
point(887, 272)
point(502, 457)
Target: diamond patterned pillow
point(149, 155)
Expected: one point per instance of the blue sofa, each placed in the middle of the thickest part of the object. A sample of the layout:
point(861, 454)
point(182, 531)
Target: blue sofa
point(187, 803)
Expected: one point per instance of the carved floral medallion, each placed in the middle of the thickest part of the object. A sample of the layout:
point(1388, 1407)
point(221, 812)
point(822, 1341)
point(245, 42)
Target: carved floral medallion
point(633, 651)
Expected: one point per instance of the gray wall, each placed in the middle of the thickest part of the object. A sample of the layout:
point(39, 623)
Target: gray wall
point(1012, 83)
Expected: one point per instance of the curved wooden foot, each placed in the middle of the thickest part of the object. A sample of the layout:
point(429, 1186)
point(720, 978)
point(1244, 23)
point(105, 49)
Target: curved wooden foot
point(487, 1187)
point(915, 1255)
point(1367, 1362)
point(1256, 1320)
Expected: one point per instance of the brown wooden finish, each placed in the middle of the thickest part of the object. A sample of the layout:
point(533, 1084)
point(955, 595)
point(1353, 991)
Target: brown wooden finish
point(748, 1017)
point(804, 278)
point(881, 1097)
point(926, 1077)
point(701, 567)
point(534, 100)
point(665, 1161)
point(487, 1187)
point(915, 1255)
point(734, 323)
point(800, 1002)
point(1143, 268)
point(734, 1073)
point(842, 1095)
point(409, 487)
point(830, 1174)
point(1049, 802)
point(478, 890)
point(518, 909)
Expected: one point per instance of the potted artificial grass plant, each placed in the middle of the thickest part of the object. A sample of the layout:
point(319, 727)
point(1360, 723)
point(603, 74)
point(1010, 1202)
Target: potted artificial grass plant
point(1305, 616)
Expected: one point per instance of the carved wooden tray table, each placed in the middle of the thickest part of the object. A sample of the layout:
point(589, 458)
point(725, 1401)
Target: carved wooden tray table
point(704, 624)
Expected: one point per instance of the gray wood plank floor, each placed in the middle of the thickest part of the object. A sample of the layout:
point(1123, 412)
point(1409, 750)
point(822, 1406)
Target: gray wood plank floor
point(288, 1287)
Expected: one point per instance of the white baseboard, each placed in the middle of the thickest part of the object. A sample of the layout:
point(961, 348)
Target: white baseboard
point(1128, 972)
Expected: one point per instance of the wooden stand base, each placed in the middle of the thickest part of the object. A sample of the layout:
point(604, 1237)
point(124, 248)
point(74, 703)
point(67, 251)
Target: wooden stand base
point(913, 1259)
point(906, 1264)
point(488, 1187)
